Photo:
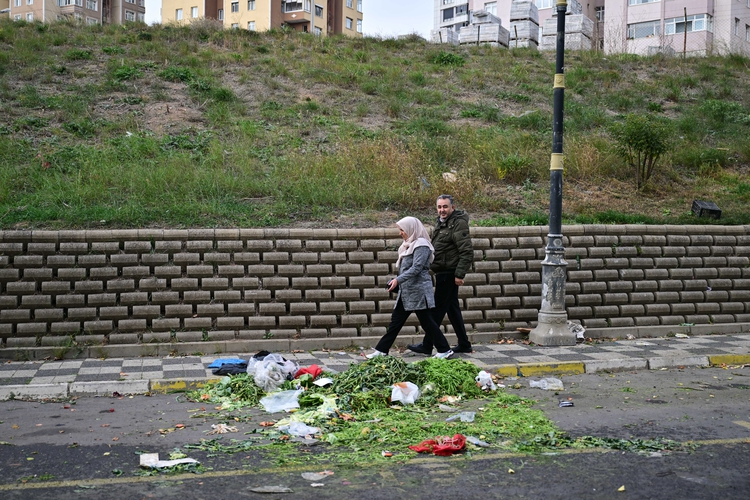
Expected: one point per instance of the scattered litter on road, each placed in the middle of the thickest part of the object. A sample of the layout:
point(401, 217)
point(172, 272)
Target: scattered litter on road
point(271, 489)
point(681, 336)
point(485, 382)
point(405, 392)
point(299, 429)
point(621, 488)
point(477, 442)
point(441, 445)
point(547, 384)
point(316, 476)
point(151, 461)
point(281, 401)
point(566, 404)
point(222, 429)
point(322, 382)
point(464, 416)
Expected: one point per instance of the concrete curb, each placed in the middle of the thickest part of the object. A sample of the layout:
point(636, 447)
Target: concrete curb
point(165, 386)
point(40, 391)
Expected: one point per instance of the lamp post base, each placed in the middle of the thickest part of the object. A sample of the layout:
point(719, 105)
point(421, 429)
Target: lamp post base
point(552, 330)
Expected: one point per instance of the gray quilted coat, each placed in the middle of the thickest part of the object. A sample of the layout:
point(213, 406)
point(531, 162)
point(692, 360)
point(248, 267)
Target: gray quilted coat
point(414, 281)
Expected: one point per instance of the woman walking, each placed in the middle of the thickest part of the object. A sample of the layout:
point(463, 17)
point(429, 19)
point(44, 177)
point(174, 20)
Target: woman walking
point(414, 289)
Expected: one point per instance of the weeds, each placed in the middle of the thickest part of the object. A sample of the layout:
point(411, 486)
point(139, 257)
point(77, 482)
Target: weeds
point(337, 125)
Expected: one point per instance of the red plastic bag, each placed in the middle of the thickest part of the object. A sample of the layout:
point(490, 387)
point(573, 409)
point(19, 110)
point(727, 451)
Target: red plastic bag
point(441, 445)
point(313, 370)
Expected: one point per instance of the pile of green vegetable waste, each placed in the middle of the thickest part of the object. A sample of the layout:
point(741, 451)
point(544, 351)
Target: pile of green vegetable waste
point(355, 419)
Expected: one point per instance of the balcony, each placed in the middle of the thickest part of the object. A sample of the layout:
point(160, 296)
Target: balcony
point(295, 12)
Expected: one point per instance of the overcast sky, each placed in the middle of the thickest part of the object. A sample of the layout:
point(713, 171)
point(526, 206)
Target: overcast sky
point(386, 18)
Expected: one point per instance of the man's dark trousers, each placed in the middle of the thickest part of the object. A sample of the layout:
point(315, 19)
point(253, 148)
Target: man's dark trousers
point(446, 301)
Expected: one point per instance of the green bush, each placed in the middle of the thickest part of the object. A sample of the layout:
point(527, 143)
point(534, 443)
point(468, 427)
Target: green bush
point(443, 58)
point(78, 54)
point(177, 74)
point(642, 140)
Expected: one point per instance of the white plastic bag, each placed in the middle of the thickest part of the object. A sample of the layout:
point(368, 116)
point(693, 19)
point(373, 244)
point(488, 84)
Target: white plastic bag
point(405, 392)
point(484, 381)
point(272, 371)
point(547, 384)
point(280, 401)
point(299, 429)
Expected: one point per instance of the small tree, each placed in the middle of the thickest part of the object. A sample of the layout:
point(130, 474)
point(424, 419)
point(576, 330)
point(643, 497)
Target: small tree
point(641, 142)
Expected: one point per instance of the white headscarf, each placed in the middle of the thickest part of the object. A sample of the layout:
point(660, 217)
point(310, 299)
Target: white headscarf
point(417, 236)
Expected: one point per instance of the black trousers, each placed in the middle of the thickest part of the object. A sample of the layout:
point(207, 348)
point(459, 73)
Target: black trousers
point(446, 301)
point(426, 319)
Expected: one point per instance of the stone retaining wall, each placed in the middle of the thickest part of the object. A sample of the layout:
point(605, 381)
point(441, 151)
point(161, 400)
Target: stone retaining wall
point(63, 288)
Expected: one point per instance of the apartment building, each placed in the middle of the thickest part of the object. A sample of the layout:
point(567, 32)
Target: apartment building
point(88, 11)
point(327, 17)
point(696, 27)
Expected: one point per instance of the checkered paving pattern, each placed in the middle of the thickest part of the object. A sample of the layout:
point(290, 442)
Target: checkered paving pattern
point(484, 356)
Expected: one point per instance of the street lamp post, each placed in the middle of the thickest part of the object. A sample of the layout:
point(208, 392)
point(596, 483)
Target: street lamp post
point(552, 325)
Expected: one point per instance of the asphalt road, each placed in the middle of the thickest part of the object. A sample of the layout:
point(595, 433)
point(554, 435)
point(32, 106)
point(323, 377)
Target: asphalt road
point(90, 448)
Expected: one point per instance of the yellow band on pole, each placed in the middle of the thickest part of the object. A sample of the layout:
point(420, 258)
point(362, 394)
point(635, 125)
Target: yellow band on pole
point(559, 81)
point(562, 2)
point(556, 161)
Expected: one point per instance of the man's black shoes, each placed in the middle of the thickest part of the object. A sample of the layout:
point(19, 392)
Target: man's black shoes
point(419, 348)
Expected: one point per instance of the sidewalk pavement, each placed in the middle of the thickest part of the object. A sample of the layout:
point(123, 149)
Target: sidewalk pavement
point(78, 377)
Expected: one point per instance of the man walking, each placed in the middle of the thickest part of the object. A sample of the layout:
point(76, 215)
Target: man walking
point(453, 257)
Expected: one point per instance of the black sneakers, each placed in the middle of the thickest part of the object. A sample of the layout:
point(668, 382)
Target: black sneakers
point(419, 348)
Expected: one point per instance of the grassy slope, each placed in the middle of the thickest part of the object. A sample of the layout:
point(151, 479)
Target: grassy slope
point(130, 126)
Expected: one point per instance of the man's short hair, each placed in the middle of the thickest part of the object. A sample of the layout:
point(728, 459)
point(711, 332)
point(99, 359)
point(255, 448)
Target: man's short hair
point(446, 197)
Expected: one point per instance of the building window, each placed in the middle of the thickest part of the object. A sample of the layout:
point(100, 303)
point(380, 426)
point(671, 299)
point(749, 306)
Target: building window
point(29, 17)
point(130, 1)
point(359, 5)
point(17, 3)
point(350, 3)
point(736, 27)
point(747, 32)
point(318, 11)
point(141, 17)
point(644, 30)
point(698, 22)
point(447, 2)
point(359, 25)
point(251, 25)
point(448, 14)
point(599, 13)
point(91, 20)
point(235, 26)
point(141, 3)
point(92, 5)
point(178, 14)
point(221, 14)
point(29, 2)
point(349, 23)
point(129, 15)
point(250, 4)
point(544, 4)
point(318, 31)
point(491, 7)
point(235, 6)
point(638, 2)
point(462, 10)
point(17, 17)
point(193, 12)
point(295, 6)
